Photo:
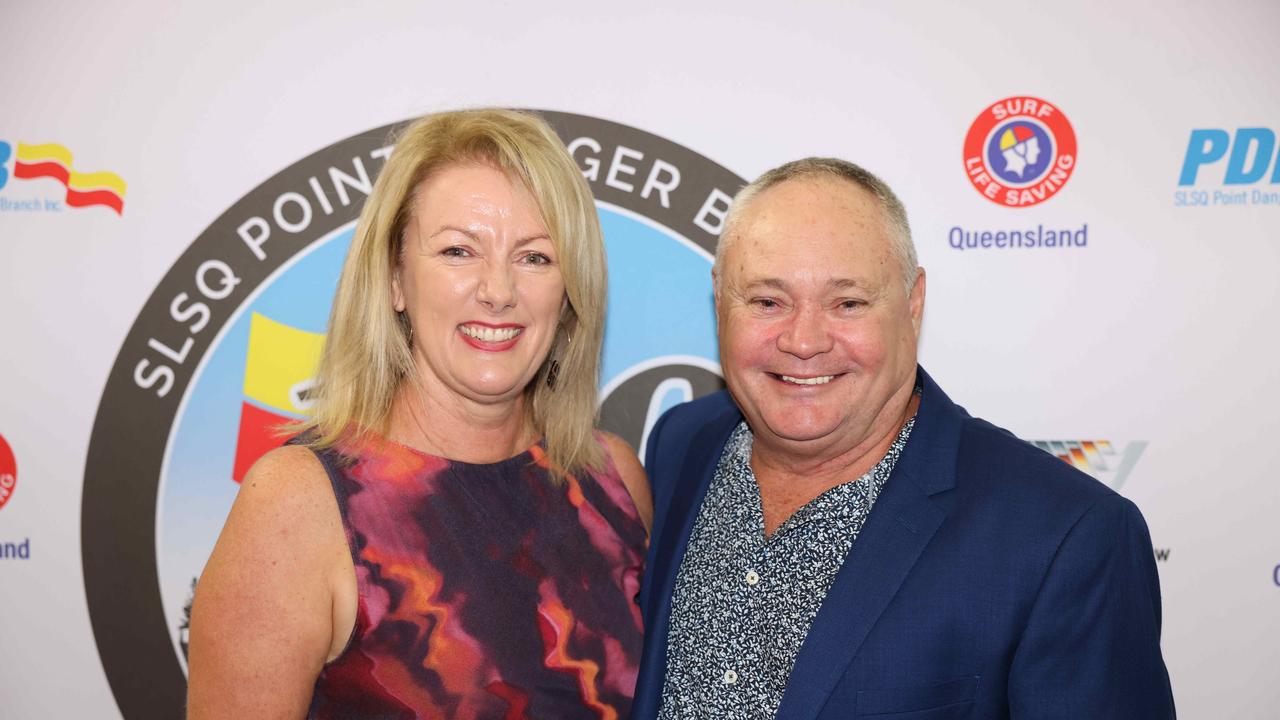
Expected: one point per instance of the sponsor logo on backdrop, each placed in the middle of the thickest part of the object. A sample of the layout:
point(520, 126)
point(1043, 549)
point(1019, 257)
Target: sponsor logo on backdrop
point(1020, 152)
point(51, 161)
point(8, 473)
point(1108, 462)
point(15, 550)
point(225, 349)
point(1230, 168)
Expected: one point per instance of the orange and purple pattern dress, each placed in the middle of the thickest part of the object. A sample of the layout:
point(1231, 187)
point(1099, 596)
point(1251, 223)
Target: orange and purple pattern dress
point(485, 591)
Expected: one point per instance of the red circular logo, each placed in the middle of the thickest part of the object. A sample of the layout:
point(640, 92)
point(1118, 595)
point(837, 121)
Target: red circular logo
point(1020, 151)
point(8, 472)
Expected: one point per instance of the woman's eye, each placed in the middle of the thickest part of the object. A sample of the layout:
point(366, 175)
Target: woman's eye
point(537, 258)
point(455, 251)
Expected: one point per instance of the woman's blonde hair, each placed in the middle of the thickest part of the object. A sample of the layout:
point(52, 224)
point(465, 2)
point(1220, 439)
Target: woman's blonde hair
point(366, 356)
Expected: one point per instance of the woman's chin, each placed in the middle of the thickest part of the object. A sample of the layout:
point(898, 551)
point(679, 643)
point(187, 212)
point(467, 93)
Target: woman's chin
point(492, 389)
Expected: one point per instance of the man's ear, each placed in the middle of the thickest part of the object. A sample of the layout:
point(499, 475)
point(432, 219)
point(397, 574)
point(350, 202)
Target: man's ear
point(916, 301)
point(715, 291)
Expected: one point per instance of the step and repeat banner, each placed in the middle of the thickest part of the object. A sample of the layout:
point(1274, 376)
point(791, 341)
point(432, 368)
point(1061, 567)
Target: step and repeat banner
point(1094, 191)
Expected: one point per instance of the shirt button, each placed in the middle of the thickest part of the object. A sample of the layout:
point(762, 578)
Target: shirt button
point(752, 577)
point(730, 677)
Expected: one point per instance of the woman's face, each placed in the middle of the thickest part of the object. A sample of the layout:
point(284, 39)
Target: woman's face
point(481, 283)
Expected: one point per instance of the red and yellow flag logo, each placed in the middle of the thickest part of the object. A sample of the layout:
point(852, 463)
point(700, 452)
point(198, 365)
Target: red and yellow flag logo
point(52, 160)
point(278, 369)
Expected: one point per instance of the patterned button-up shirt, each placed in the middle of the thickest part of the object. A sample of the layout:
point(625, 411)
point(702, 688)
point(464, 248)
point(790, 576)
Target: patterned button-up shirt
point(743, 603)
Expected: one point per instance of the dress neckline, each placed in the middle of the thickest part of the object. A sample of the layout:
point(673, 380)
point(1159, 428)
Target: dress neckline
point(525, 455)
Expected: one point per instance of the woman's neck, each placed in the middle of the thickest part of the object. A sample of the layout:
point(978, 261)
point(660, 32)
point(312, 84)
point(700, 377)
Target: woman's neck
point(454, 427)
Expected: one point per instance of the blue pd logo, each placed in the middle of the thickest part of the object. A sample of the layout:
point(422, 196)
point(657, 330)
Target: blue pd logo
point(1252, 154)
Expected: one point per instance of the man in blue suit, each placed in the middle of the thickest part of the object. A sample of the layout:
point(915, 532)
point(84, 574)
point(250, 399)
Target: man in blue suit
point(834, 537)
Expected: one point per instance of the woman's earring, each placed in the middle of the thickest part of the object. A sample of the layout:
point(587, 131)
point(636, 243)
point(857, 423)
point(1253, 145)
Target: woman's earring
point(553, 371)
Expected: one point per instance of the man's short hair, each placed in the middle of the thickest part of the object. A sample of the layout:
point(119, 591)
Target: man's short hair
point(817, 167)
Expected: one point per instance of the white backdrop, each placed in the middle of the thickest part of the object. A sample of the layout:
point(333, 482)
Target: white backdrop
point(1157, 333)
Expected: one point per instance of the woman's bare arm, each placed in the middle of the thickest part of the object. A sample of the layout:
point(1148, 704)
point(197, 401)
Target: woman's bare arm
point(277, 597)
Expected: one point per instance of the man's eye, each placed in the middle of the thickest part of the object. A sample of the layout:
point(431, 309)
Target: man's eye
point(765, 303)
point(850, 304)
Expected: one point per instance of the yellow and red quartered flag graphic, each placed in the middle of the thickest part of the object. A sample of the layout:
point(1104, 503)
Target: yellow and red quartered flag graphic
point(52, 160)
point(277, 377)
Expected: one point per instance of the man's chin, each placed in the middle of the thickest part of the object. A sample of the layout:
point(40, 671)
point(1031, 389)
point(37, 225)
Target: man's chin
point(800, 431)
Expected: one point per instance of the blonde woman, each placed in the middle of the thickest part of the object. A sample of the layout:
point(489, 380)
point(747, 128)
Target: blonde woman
point(450, 537)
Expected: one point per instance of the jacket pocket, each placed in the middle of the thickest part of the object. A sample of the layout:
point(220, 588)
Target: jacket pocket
point(959, 693)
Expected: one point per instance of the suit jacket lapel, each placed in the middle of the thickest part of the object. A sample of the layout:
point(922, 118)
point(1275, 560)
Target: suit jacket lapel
point(900, 525)
point(695, 477)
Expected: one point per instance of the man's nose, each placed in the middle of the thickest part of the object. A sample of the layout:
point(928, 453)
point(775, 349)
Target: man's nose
point(497, 290)
point(806, 334)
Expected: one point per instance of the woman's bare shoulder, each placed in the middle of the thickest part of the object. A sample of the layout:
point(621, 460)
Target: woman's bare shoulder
point(633, 475)
point(286, 463)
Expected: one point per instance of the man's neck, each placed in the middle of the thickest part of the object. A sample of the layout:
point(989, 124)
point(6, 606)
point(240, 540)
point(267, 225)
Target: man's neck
point(789, 480)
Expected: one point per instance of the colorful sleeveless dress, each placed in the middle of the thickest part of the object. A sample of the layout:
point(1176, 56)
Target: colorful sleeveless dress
point(485, 591)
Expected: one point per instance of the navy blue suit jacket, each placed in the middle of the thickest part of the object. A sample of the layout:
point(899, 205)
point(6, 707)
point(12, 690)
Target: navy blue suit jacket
point(991, 580)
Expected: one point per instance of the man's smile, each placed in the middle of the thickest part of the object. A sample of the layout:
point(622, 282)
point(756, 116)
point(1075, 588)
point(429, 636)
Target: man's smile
point(810, 380)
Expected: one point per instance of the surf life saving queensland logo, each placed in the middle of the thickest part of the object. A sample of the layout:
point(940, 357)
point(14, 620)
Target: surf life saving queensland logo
point(10, 549)
point(224, 350)
point(8, 472)
point(47, 162)
point(1018, 153)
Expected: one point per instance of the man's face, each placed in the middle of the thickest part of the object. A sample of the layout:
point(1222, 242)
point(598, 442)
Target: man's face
point(817, 332)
